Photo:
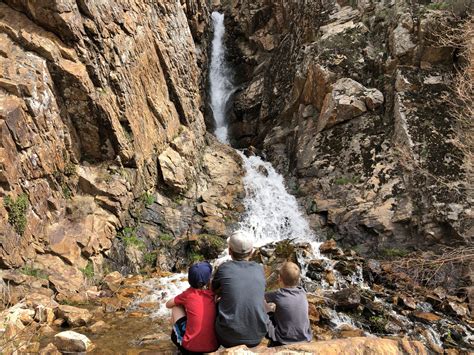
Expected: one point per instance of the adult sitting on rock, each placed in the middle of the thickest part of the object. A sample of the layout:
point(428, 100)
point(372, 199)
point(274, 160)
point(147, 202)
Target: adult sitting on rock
point(240, 284)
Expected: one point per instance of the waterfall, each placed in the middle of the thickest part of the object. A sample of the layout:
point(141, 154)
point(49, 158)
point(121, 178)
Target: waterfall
point(221, 87)
point(271, 213)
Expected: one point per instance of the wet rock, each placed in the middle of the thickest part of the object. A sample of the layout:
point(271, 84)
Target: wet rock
point(98, 327)
point(347, 299)
point(407, 301)
point(70, 342)
point(457, 309)
point(425, 317)
point(330, 277)
point(74, 316)
point(329, 247)
point(113, 281)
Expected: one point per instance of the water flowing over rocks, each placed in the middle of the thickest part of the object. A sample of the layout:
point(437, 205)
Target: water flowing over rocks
point(348, 100)
point(111, 183)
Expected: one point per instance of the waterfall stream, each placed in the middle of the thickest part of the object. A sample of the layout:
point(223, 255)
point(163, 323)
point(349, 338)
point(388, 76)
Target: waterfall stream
point(271, 213)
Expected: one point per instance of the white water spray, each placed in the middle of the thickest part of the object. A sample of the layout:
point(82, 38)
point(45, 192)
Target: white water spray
point(221, 86)
point(272, 214)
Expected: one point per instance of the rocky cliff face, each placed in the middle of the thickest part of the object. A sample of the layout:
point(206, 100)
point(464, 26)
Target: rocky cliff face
point(348, 100)
point(99, 109)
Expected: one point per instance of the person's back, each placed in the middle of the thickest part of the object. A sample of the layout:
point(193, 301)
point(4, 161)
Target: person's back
point(290, 320)
point(194, 312)
point(240, 284)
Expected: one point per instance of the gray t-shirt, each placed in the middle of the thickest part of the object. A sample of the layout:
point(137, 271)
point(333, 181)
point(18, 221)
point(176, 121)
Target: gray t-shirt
point(291, 315)
point(241, 317)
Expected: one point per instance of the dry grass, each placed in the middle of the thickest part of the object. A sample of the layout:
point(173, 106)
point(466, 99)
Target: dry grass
point(462, 101)
point(431, 270)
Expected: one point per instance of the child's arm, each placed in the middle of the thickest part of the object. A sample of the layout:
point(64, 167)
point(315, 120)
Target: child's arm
point(170, 303)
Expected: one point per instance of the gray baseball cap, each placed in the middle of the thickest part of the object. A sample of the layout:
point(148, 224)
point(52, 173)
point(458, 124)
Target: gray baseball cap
point(240, 243)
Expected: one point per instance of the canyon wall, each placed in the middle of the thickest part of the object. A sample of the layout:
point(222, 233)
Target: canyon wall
point(102, 131)
point(349, 100)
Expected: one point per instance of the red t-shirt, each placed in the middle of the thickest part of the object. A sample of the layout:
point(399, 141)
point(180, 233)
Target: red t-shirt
point(200, 309)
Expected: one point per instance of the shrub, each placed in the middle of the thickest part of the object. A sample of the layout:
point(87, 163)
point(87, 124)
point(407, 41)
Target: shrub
point(378, 323)
point(88, 271)
point(148, 199)
point(129, 237)
point(17, 212)
point(150, 259)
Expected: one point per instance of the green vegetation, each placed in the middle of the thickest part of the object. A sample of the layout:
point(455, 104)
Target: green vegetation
point(166, 238)
point(347, 180)
point(67, 193)
point(31, 271)
point(194, 256)
point(284, 249)
point(88, 271)
point(394, 252)
point(148, 199)
point(150, 258)
point(378, 323)
point(129, 237)
point(17, 212)
point(70, 169)
point(437, 6)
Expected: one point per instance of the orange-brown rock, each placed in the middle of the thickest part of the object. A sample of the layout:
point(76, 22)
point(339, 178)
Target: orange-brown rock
point(355, 346)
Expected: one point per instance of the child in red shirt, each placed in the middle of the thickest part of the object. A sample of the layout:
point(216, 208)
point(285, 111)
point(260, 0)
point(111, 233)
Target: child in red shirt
point(194, 312)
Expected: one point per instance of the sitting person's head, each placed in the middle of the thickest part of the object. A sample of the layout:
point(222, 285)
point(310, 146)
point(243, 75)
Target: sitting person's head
point(199, 274)
point(290, 274)
point(240, 246)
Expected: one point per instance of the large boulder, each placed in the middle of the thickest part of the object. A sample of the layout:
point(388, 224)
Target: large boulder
point(72, 342)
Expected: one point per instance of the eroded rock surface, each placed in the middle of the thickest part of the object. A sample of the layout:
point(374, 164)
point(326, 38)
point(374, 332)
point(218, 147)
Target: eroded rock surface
point(348, 100)
point(100, 122)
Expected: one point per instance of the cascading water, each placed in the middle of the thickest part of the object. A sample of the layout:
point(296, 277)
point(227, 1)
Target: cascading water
point(221, 86)
point(272, 214)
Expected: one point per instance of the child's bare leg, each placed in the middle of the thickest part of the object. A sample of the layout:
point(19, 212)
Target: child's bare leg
point(177, 312)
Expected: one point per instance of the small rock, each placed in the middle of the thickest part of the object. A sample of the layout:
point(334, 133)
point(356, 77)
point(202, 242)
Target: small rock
point(426, 317)
point(74, 316)
point(329, 247)
point(50, 349)
point(407, 301)
point(44, 314)
point(113, 280)
point(70, 341)
point(46, 330)
point(457, 309)
point(347, 299)
point(98, 327)
point(330, 277)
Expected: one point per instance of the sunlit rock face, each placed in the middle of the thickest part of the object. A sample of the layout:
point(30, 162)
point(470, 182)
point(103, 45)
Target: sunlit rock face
point(100, 105)
point(348, 100)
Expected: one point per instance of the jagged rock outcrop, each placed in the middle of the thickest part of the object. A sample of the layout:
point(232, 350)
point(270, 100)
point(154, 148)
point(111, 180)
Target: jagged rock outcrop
point(348, 99)
point(100, 106)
